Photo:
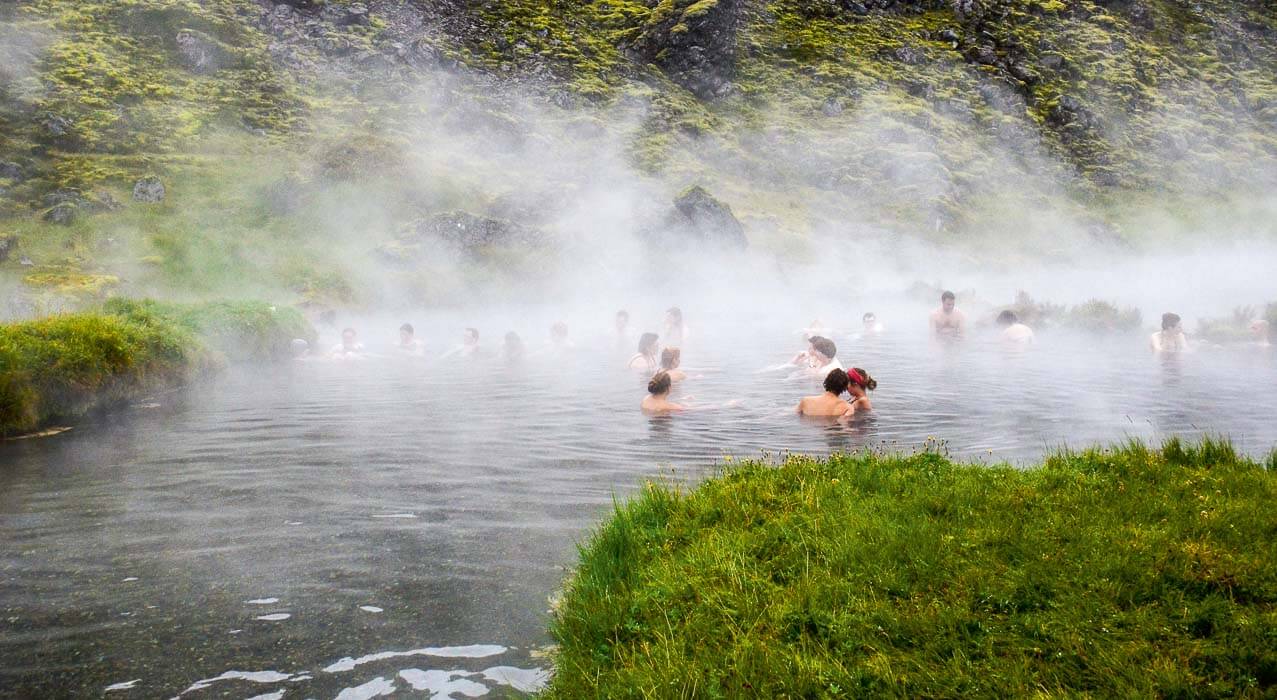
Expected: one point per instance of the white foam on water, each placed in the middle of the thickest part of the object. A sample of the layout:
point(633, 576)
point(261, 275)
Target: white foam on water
point(370, 608)
point(374, 688)
point(262, 601)
point(473, 651)
point(528, 680)
point(250, 676)
point(274, 617)
point(277, 695)
point(396, 515)
point(443, 684)
point(127, 685)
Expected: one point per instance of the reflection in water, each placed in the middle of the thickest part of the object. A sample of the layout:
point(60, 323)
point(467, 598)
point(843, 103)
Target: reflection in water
point(343, 524)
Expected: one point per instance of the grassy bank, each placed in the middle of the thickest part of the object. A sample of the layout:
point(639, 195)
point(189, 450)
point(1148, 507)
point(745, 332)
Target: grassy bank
point(1131, 572)
point(64, 366)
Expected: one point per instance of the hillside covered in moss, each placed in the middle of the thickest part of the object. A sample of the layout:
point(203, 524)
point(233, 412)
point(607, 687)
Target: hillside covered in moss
point(174, 146)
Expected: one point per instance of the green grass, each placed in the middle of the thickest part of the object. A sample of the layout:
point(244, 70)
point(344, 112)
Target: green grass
point(1129, 572)
point(61, 367)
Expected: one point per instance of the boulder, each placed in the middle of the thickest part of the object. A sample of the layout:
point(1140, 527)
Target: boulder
point(56, 128)
point(694, 42)
point(199, 52)
point(149, 190)
point(698, 217)
point(459, 231)
point(12, 171)
point(7, 245)
point(63, 214)
point(355, 14)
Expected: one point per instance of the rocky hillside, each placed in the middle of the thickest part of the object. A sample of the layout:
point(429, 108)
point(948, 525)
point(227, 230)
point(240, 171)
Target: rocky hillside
point(261, 123)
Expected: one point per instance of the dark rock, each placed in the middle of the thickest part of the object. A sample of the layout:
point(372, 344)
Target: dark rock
point(200, 53)
point(984, 55)
point(1053, 61)
point(149, 190)
point(1023, 73)
point(7, 245)
point(65, 195)
point(695, 44)
point(356, 14)
point(26, 261)
point(949, 35)
point(832, 107)
point(12, 171)
point(57, 128)
point(285, 196)
point(908, 55)
point(698, 217)
point(858, 8)
point(62, 214)
point(460, 231)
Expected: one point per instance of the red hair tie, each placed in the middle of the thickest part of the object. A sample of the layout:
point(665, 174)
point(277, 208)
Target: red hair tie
point(854, 376)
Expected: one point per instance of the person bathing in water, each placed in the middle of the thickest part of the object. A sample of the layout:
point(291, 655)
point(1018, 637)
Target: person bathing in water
point(675, 329)
point(648, 349)
point(512, 350)
point(349, 345)
point(657, 401)
point(671, 358)
point(559, 337)
point(870, 325)
point(820, 357)
point(408, 343)
point(1171, 338)
point(1014, 332)
point(858, 384)
point(947, 322)
point(622, 324)
point(829, 403)
point(469, 344)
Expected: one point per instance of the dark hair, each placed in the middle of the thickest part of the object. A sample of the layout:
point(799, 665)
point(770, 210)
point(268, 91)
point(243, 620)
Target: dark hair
point(870, 383)
point(1007, 318)
point(869, 315)
point(513, 343)
point(670, 358)
point(351, 331)
point(659, 383)
point(676, 312)
point(823, 345)
point(408, 328)
point(1170, 320)
point(624, 313)
point(948, 295)
point(647, 343)
point(475, 331)
point(836, 382)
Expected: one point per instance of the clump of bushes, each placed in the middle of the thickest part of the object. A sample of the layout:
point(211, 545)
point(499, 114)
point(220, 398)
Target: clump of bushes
point(1127, 572)
point(64, 366)
point(1099, 316)
point(1229, 329)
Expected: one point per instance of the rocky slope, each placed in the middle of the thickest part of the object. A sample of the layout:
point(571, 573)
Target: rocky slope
point(942, 119)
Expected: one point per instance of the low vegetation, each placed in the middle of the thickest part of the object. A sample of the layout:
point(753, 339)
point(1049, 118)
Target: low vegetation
point(63, 366)
point(1126, 572)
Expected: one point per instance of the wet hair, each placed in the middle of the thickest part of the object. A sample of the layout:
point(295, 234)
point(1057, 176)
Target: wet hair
point(659, 383)
point(870, 383)
point(622, 314)
point(836, 382)
point(869, 316)
point(1170, 320)
point(1008, 318)
point(344, 331)
point(670, 358)
point(407, 328)
point(647, 343)
point(824, 346)
point(676, 312)
point(474, 332)
point(947, 295)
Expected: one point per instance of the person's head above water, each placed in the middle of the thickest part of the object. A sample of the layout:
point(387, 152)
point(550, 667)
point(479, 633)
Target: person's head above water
point(348, 336)
point(659, 384)
point(869, 319)
point(513, 344)
point(622, 319)
point(824, 346)
point(948, 300)
point(649, 344)
point(1259, 328)
point(559, 330)
point(836, 382)
point(674, 316)
point(671, 358)
point(470, 336)
point(1170, 321)
point(406, 332)
point(861, 378)
point(1008, 318)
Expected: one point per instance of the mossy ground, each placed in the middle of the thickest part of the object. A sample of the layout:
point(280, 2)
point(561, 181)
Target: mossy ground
point(1126, 572)
point(63, 366)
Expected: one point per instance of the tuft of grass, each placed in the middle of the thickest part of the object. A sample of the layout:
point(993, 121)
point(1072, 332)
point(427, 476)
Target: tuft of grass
point(62, 367)
point(1122, 572)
